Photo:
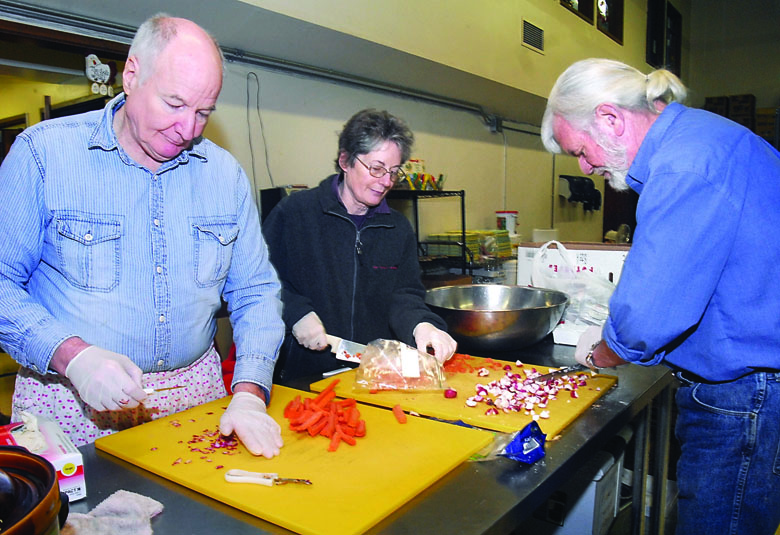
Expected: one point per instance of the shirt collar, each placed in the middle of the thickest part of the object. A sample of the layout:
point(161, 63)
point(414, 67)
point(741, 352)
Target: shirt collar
point(104, 137)
point(639, 172)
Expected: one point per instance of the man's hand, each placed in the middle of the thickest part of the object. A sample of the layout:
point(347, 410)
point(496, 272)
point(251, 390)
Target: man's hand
point(310, 332)
point(105, 380)
point(589, 337)
point(246, 415)
point(426, 335)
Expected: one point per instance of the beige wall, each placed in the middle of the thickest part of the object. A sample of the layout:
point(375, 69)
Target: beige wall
point(302, 118)
point(21, 96)
point(506, 170)
point(480, 37)
point(499, 171)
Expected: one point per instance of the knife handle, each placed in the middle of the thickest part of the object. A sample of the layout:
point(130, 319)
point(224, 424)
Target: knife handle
point(235, 475)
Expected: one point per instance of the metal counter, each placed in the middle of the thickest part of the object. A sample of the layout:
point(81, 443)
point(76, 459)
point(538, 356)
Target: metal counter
point(491, 497)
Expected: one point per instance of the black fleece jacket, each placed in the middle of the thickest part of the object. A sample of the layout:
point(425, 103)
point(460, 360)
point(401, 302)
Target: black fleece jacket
point(363, 284)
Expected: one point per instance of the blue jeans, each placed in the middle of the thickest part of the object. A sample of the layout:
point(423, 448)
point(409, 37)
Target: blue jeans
point(728, 474)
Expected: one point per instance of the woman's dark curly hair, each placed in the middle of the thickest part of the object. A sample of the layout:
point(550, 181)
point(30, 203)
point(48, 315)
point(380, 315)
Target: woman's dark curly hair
point(368, 129)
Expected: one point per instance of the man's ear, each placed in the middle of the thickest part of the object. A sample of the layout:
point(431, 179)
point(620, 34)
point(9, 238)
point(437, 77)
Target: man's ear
point(130, 75)
point(611, 118)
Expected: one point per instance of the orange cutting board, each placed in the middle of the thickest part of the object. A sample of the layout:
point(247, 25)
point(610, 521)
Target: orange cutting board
point(353, 488)
point(562, 411)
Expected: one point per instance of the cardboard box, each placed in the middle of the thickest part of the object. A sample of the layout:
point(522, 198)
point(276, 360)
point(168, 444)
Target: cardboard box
point(587, 504)
point(604, 260)
point(52, 444)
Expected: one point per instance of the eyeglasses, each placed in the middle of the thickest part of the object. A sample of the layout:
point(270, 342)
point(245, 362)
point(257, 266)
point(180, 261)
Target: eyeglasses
point(377, 170)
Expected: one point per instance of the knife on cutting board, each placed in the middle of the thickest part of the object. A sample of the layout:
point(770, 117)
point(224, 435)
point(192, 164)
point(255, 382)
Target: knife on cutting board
point(346, 350)
point(566, 370)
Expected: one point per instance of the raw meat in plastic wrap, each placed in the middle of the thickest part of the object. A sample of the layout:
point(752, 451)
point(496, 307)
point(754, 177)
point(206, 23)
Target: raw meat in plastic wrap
point(393, 365)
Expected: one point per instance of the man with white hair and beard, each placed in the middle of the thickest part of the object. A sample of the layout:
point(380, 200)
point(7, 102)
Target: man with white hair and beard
point(696, 291)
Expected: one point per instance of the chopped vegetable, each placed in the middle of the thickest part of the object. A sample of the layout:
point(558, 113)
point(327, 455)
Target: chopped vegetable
point(450, 393)
point(521, 392)
point(323, 415)
point(399, 414)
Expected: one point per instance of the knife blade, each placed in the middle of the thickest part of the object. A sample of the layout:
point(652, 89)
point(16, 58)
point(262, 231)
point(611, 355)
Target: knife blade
point(153, 390)
point(346, 350)
point(566, 370)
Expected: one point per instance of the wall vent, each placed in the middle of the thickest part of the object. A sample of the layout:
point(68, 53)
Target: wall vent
point(533, 37)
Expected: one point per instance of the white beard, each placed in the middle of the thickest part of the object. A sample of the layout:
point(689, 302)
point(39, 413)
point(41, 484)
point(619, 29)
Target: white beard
point(616, 166)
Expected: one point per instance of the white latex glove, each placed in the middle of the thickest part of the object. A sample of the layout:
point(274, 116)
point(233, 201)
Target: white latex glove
point(105, 380)
point(310, 332)
point(259, 432)
point(426, 335)
point(587, 339)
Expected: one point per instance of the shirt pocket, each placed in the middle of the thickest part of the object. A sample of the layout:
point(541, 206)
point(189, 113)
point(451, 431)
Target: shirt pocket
point(89, 250)
point(214, 239)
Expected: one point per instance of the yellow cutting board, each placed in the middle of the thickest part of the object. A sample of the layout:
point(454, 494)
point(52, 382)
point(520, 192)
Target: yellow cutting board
point(562, 411)
point(353, 488)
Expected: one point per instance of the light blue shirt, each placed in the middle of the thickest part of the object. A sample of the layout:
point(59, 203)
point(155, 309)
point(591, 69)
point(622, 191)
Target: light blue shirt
point(97, 246)
point(698, 290)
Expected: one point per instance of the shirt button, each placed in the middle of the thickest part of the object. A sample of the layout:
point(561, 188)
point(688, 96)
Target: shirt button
point(161, 319)
point(160, 362)
point(88, 236)
point(221, 239)
point(159, 269)
point(156, 222)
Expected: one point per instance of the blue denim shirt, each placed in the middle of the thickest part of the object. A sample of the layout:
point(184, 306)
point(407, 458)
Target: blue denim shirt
point(97, 246)
point(698, 290)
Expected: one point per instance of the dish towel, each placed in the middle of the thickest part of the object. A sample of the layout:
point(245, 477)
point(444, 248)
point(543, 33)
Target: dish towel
point(122, 512)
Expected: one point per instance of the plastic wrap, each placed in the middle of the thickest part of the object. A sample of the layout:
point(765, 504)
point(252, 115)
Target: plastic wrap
point(393, 365)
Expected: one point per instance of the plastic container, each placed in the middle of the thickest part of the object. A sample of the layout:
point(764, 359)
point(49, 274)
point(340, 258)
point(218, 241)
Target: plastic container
point(507, 220)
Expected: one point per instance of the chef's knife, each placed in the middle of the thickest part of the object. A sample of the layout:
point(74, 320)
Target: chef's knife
point(346, 350)
point(566, 370)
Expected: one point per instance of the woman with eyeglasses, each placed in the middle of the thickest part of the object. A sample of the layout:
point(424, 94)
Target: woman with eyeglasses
point(347, 261)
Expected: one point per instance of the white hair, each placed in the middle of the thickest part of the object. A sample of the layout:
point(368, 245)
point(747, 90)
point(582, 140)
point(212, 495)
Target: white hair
point(588, 83)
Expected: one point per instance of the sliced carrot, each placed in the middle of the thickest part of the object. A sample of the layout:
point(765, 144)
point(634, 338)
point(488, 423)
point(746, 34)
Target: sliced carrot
point(353, 417)
point(324, 415)
point(323, 401)
point(399, 413)
point(292, 406)
point(348, 439)
point(317, 428)
point(311, 420)
point(349, 402)
point(325, 391)
point(335, 441)
point(360, 430)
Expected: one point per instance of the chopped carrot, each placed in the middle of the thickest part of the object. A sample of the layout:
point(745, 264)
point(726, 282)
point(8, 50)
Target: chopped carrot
point(322, 401)
point(292, 406)
point(348, 439)
point(323, 415)
point(312, 419)
point(325, 391)
point(317, 428)
point(360, 430)
point(399, 413)
point(353, 417)
point(335, 441)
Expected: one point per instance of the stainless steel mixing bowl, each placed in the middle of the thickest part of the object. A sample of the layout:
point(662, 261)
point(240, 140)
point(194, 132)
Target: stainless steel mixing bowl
point(492, 317)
